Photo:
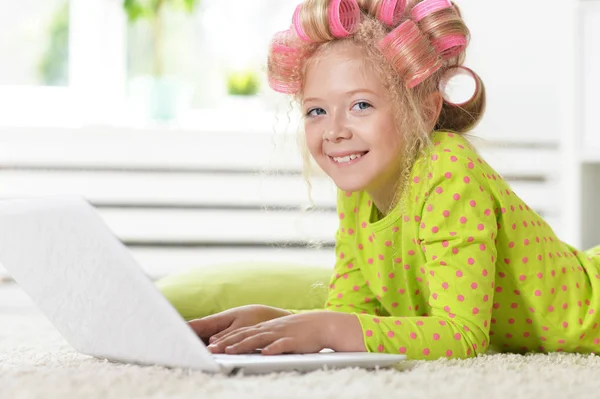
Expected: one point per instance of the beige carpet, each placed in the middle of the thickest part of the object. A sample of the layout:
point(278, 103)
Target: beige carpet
point(35, 362)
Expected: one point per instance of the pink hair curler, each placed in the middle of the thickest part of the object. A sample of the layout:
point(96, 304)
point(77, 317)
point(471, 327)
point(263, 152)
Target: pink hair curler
point(391, 11)
point(407, 31)
point(427, 7)
point(344, 17)
point(457, 91)
point(417, 79)
point(450, 46)
point(405, 38)
point(297, 23)
point(283, 60)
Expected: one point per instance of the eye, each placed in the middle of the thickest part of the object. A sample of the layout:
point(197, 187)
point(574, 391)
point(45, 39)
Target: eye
point(315, 112)
point(362, 105)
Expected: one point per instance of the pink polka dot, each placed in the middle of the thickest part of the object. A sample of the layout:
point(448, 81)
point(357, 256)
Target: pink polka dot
point(463, 219)
point(538, 293)
point(457, 336)
point(448, 175)
point(460, 298)
point(413, 335)
point(453, 158)
point(448, 353)
point(445, 286)
point(446, 213)
point(475, 310)
point(426, 351)
point(456, 196)
point(380, 348)
point(402, 349)
point(436, 337)
point(369, 333)
point(439, 190)
point(435, 229)
point(459, 273)
point(522, 277)
point(390, 334)
point(416, 179)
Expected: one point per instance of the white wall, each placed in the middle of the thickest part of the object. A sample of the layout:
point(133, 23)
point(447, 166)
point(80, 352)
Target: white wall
point(514, 50)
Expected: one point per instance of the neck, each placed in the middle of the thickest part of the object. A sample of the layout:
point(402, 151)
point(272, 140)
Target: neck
point(384, 201)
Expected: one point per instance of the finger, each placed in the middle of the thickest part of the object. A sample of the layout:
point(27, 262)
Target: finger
point(281, 346)
point(231, 339)
point(217, 337)
point(225, 334)
point(211, 325)
point(252, 343)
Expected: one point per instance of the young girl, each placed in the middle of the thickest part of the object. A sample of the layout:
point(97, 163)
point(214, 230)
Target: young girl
point(436, 255)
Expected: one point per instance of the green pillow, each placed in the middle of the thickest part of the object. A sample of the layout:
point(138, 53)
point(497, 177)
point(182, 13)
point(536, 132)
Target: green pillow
point(203, 291)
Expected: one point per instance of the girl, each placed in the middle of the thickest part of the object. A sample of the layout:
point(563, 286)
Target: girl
point(436, 255)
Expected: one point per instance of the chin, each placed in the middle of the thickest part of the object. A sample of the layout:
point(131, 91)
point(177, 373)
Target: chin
point(349, 184)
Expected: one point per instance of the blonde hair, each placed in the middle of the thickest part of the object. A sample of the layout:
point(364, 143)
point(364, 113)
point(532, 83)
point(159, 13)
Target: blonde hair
point(408, 57)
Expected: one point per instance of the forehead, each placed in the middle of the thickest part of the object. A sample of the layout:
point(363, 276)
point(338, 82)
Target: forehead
point(342, 66)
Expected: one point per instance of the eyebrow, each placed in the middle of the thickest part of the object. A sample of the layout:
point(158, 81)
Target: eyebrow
point(348, 93)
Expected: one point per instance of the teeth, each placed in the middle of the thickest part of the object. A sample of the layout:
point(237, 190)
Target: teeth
point(347, 158)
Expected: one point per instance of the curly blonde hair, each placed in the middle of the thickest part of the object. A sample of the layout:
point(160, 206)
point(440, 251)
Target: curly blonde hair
point(407, 53)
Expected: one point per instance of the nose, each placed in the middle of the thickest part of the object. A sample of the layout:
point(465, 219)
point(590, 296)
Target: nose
point(338, 129)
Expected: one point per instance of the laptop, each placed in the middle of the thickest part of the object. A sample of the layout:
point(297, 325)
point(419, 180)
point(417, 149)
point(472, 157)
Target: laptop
point(89, 286)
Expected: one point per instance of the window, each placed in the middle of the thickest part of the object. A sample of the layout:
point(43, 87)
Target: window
point(77, 62)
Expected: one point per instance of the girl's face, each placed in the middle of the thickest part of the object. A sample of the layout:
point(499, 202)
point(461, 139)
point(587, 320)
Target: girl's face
point(349, 123)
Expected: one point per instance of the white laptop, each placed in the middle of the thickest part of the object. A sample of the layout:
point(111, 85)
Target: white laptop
point(86, 282)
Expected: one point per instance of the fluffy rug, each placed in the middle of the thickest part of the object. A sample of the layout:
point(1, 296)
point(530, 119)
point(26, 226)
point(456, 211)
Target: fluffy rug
point(35, 362)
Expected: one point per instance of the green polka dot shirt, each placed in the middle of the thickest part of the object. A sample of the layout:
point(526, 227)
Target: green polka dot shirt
point(465, 264)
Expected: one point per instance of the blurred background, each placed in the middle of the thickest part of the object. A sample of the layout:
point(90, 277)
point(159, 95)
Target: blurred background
point(158, 112)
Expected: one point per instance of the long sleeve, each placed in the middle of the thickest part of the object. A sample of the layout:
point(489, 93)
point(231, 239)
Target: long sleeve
point(348, 291)
point(457, 233)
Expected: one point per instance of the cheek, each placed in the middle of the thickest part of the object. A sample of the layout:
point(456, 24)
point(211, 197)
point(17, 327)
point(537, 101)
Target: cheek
point(313, 140)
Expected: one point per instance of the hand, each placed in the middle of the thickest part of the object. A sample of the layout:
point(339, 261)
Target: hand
point(301, 333)
point(215, 326)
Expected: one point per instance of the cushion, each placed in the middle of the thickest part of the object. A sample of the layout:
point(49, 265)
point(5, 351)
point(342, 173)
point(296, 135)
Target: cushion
point(203, 291)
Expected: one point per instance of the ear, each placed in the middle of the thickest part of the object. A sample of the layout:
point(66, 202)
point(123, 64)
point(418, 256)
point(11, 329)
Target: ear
point(432, 107)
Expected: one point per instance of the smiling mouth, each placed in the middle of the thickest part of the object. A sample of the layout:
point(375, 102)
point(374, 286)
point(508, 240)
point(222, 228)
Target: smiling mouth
point(348, 159)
